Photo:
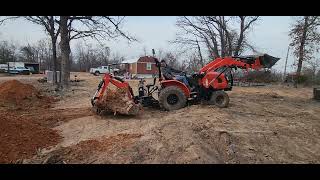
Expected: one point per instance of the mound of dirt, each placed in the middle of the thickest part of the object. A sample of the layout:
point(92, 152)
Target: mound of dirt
point(23, 132)
point(25, 120)
point(85, 149)
point(20, 138)
point(14, 94)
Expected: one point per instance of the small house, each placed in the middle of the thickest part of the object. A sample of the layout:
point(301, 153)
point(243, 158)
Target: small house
point(143, 67)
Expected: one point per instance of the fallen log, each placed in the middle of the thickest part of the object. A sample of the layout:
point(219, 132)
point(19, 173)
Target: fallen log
point(118, 101)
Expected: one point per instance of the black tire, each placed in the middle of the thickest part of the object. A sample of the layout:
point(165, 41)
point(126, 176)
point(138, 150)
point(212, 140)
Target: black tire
point(220, 99)
point(172, 98)
point(97, 73)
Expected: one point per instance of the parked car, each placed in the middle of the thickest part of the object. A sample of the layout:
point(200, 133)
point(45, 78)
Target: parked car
point(3, 67)
point(104, 69)
point(18, 70)
point(31, 69)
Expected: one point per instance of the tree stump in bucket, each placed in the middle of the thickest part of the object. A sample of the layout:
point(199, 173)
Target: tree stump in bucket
point(316, 93)
point(118, 102)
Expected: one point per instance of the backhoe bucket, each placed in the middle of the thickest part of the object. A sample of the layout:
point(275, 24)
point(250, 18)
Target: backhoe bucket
point(268, 61)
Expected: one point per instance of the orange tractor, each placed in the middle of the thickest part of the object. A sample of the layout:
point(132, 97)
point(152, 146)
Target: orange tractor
point(209, 85)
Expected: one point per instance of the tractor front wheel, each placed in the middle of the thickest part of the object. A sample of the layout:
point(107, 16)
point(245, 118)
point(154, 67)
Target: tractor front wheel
point(220, 99)
point(172, 98)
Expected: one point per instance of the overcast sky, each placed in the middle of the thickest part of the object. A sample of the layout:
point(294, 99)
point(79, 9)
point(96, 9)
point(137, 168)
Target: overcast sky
point(270, 35)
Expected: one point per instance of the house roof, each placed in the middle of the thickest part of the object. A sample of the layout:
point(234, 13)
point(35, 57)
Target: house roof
point(133, 60)
point(146, 59)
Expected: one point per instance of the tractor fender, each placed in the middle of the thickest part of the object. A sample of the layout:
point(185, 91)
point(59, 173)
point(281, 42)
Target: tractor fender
point(183, 87)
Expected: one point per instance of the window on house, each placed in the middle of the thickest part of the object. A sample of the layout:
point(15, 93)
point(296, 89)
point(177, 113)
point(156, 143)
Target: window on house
point(148, 66)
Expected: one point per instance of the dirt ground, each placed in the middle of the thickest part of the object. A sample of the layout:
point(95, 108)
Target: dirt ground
point(269, 124)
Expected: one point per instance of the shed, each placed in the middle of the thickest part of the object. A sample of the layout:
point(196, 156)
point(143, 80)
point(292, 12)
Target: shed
point(34, 67)
point(143, 67)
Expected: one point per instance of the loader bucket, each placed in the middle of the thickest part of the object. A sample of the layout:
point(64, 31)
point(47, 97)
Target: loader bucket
point(268, 61)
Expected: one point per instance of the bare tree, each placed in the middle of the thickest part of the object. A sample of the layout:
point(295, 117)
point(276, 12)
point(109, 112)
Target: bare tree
point(116, 58)
point(7, 52)
point(190, 44)
point(65, 51)
point(49, 23)
point(192, 63)
point(171, 60)
point(160, 54)
point(44, 49)
point(75, 27)
point(216, 33)
point(29, 54)
point(314, 66)
point(144, 51)
point(89, 56)
point(38, 52)
point(305, 38)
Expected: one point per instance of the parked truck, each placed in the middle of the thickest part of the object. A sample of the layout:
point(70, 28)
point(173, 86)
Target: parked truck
point(104, 69)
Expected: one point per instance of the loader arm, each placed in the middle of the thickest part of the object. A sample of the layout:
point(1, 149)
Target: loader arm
point(209, 75)
point(247, 62)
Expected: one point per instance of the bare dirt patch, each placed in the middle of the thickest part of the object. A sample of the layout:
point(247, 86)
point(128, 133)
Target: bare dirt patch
point(87, 151)
point(16, 95)
point(269, 124)
point(21, 138)
point(26, 121)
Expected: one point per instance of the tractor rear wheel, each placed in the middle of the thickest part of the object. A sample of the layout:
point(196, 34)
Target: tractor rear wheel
point(172, 98)
point(220, 99)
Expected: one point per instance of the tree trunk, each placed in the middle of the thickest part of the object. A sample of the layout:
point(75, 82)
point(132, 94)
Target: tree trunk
point(65, 52)
point(301, 50)
point(199, 50)
point(54, 59)
point(228, 39)
point(222, 36)
point(213, 50)
point(241, 37)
